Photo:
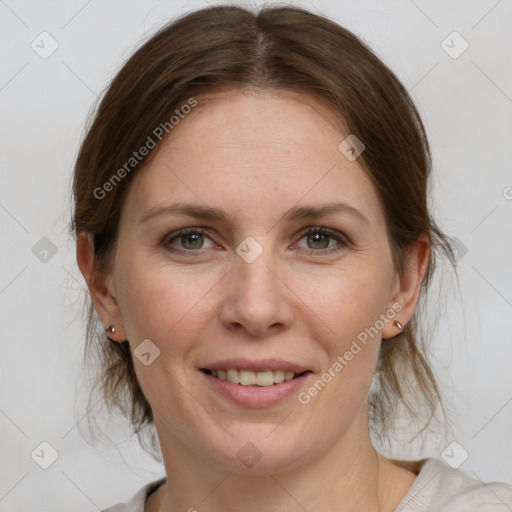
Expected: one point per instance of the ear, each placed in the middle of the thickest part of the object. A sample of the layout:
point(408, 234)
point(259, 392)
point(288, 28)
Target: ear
point(101, 287)
point(409, 285)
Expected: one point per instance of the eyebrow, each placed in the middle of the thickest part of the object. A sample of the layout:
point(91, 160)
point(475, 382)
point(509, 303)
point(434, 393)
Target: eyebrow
point(220, 216)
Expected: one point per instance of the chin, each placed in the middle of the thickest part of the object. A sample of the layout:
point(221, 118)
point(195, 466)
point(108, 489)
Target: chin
point(258, 450)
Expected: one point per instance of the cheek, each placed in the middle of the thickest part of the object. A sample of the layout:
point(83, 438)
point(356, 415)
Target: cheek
point(163, 303)
point(169, 307)
point(348, 306)
point(344, 302)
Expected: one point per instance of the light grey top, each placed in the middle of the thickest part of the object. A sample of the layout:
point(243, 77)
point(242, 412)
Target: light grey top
point(437, 488)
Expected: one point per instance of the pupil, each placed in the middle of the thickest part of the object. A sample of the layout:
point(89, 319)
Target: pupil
point(194, 237)
point(321, 235)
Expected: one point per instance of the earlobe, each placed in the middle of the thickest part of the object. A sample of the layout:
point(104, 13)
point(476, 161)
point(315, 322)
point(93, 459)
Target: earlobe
point(99, 286)
point(393, 326)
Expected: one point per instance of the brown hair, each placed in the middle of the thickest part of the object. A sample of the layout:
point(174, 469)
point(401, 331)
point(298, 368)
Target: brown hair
point(284, 48)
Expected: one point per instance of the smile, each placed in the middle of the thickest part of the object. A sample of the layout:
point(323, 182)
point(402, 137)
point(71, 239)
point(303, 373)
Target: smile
point(250, 378)
point(254, 384)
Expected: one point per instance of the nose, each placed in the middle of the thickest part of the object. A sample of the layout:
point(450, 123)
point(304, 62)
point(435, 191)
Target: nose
point(256, 297)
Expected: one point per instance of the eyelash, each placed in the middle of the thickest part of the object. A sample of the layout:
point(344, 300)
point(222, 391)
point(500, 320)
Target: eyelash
point(317, 230)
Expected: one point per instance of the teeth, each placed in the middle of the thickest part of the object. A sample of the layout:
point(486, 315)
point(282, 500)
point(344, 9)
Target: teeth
point(279, 376)
point(249, 378)
point(233, 376)
point(265, 378)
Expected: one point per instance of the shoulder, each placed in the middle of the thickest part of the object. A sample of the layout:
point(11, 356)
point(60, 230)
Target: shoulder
point(438, 487)
point(136, 504)
point(442, 488)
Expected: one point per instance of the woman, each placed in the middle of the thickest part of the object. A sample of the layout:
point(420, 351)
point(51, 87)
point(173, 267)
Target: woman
point(252, 223)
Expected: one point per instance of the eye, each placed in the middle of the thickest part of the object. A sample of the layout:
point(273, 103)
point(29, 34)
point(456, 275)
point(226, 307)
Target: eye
point(190, 240)
point(321, 238)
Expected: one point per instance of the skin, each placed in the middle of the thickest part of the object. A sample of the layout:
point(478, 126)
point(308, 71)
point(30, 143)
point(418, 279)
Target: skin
point(256, 154)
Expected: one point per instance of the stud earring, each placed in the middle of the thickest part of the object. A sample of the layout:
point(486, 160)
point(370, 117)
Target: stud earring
point(111, 329)
point(399, 325)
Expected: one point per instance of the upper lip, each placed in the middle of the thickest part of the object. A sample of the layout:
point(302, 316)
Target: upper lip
point(255, 365)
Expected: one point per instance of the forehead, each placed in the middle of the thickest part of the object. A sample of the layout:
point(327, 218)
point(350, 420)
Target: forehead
point(255, 120)
point(259, 147)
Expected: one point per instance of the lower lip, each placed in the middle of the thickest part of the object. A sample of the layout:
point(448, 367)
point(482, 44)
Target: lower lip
point(256, 396)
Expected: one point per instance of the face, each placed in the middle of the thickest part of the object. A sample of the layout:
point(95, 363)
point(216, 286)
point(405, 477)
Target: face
point(246, 277)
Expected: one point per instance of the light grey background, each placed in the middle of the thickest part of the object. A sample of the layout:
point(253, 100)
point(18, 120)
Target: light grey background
point(466, 103)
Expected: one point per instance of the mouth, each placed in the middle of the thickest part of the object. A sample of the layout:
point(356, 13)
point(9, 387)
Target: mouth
point(255, 384)
point(264, 378)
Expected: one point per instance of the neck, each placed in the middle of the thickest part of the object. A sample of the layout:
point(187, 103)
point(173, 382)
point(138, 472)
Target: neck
point(349, 476)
